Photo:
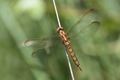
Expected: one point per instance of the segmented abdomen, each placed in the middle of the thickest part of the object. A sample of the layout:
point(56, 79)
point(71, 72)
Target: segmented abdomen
point(67, 43)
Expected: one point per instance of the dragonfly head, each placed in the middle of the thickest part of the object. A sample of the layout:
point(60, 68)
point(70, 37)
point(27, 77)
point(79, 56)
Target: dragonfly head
point(59, 28)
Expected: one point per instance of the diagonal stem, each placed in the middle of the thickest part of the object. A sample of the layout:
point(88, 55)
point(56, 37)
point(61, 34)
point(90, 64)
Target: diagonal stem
point(68, 60)
point(58, 19)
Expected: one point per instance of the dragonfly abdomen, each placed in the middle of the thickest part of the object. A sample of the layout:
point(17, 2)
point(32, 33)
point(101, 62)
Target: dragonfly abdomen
point(67, 43)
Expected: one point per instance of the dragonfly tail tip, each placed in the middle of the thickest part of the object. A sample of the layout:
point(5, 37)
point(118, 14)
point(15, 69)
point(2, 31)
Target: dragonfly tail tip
point(80, 68)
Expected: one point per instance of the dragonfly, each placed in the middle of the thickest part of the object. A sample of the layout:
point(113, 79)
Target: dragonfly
point(82, 30)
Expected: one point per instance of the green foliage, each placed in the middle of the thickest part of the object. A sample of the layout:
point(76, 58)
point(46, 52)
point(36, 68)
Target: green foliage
point(24, 19)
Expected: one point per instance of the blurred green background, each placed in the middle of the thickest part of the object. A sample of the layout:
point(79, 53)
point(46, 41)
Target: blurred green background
point(24, 19)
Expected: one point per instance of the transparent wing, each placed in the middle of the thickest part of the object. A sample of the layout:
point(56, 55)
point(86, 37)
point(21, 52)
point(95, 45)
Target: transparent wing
point(46, 52)
point(85, 27)
point(85, 34)
point(42, 45)
point(43, 42)
point(40, 53)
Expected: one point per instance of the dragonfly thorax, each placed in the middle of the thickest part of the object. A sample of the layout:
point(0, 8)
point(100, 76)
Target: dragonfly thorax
point(63, 35)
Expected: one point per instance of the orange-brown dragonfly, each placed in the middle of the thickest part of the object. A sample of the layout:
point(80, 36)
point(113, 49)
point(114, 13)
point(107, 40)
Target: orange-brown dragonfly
point(83, 29)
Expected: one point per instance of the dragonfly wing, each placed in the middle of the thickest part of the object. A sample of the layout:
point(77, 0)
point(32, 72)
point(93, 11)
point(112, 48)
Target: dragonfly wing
point(41, 53)
point(85, 27)
point(43, 42)
point(46, 52)
point(85, 34)
point(43, 46)
point(88, 17)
